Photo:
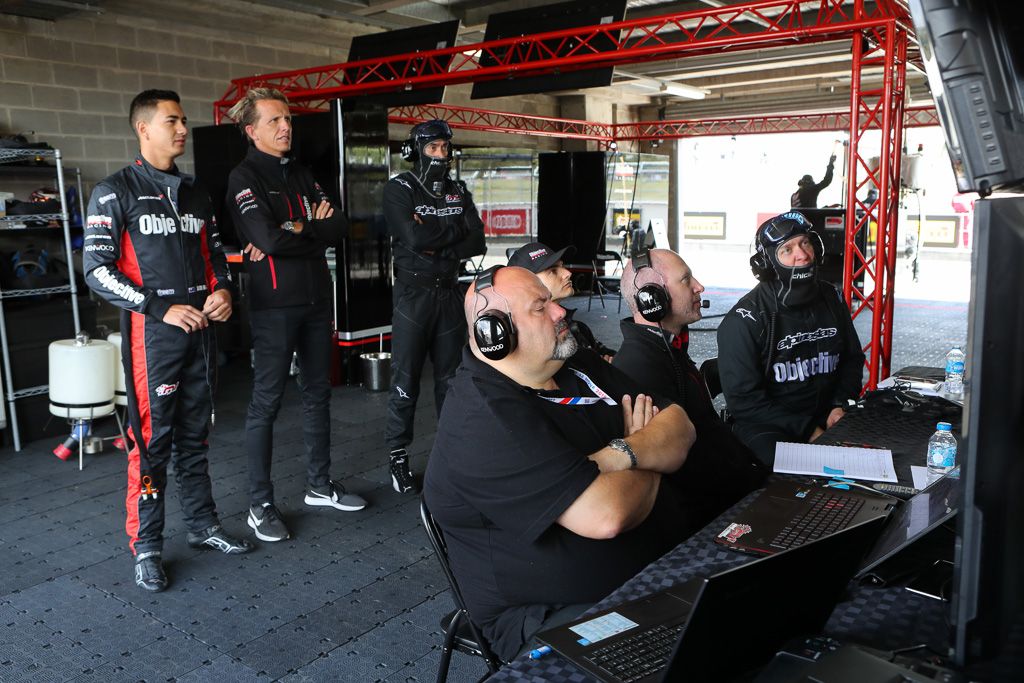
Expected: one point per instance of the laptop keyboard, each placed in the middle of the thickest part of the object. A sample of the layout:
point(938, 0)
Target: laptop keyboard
point(643, 654)
point(826, 513)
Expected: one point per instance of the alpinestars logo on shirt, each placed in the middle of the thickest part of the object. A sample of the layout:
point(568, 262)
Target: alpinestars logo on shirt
point(425, 210)
point(802, 369)
point(791, 340)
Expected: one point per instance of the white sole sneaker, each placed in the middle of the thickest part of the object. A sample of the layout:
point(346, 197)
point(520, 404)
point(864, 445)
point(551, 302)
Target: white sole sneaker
point(316, 500)
point(263, 537)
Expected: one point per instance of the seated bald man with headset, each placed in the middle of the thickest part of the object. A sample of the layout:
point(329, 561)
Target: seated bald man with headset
point(788, 354)
point(665, 298)
point(546, 473)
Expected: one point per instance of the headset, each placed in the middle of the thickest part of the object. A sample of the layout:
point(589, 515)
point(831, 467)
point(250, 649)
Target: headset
point(652, 300)
point(493, 330)
point(760, 262)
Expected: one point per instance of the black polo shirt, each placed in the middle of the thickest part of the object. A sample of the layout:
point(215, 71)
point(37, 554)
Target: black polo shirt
point(506, 463)
point(719, 468)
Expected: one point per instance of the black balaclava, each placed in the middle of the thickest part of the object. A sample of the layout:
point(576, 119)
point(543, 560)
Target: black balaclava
point(794, 286)
point(430, 172)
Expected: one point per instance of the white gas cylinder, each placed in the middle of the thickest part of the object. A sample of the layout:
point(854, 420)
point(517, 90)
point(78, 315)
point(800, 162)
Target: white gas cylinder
point(81, 377)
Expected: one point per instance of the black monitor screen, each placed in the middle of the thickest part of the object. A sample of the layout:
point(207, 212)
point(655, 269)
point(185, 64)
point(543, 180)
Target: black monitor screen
point(974, 56)
point(989, 574)
point(545, 18)
point(402, 41)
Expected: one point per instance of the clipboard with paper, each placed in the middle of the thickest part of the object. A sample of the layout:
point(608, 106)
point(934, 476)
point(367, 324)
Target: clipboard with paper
point(871, 464)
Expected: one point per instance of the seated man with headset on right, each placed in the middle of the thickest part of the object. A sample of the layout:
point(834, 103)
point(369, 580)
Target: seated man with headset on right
point(665, 298)
point(546, 473)
point(789, 356)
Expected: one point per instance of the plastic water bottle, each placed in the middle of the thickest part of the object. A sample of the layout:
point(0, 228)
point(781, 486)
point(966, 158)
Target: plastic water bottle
point(941, 450)
point(955, 359)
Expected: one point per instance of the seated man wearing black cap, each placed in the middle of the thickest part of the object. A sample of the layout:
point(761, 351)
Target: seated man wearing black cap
point(546, 471)
point(789, 356)
point(665, 299)
point(550, 268)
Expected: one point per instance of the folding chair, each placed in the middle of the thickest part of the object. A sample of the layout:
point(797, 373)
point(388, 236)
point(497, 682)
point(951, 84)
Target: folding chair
point(601, 284)
point(460, 633)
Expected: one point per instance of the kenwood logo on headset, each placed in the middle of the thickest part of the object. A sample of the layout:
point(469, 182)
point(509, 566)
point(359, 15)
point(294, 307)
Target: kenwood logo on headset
point(488, 349)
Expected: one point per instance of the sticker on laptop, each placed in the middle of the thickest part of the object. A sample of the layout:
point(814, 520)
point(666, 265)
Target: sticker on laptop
point(734, 531)
point(602, 627)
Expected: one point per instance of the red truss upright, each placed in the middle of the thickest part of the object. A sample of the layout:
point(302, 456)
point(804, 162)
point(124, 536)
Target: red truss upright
point(878, 31)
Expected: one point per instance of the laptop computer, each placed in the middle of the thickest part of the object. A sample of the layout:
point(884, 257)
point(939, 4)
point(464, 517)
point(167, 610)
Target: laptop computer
point(711, 628)
point(789, 513)
point(915, 518)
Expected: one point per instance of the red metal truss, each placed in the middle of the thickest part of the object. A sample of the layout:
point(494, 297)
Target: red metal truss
point(502, 122)
point(467, 118)
point(781, 123)
point(879, 108)
point(763, 23)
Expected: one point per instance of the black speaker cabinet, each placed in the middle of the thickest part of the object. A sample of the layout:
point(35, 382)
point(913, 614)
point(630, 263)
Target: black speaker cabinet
point(571, 203)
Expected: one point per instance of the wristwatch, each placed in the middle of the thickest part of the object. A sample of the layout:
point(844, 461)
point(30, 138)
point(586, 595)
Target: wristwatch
point(623, 447)
point(289, 226)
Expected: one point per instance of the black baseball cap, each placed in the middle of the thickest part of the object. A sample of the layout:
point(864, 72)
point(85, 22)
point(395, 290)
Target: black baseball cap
point(536, 257)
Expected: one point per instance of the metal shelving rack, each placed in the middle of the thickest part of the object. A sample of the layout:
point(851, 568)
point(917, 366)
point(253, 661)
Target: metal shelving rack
point(9, 156)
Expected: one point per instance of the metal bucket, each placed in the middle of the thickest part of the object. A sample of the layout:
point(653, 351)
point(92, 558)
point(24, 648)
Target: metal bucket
point(376, 369)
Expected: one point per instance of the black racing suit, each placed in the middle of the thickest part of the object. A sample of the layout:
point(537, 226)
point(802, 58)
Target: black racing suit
point(784, 369)
point(428, 316)
point(719, 469)
point(290, 294)
point(151, 241)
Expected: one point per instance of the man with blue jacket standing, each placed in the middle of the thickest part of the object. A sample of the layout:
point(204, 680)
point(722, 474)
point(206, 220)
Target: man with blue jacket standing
point(289, 222)
point(152, 248)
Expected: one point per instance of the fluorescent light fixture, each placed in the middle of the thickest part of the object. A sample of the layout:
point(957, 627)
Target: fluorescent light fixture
point(683, 90)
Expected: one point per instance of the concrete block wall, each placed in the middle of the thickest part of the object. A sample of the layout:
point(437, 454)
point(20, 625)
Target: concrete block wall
point(71, 81)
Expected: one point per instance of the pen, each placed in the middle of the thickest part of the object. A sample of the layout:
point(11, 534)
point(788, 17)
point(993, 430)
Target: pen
point(540, 652)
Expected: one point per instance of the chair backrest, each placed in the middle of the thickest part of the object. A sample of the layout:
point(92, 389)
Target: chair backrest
point(709, 371)
point(436, 537)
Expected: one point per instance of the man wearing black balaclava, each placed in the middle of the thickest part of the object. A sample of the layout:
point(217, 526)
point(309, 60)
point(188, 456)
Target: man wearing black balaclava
point(788, 354)
point(433, 225)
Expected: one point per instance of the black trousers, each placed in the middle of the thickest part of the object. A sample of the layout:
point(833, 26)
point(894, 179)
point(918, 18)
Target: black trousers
point(426, 321)
point(761, 438)
point(277, 333)
point(172, 379)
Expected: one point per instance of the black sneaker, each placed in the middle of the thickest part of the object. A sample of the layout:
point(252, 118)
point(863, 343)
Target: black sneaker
point(401, 477)
point(215, 538)
point(149, 572)
point(266, 522)
point(334, 495)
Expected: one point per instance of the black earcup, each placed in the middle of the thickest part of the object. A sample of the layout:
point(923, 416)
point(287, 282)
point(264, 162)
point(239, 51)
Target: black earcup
point(409, 151)
point(760, 267)
point(653, 302)
point(494, 333)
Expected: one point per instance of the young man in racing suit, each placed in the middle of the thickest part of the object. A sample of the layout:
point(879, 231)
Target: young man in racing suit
point(289, 222)
point(152, 248)
point(434, 225)
point(788, 354)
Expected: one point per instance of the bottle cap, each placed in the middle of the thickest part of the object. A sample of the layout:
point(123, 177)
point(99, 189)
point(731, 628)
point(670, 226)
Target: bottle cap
point(944, 427)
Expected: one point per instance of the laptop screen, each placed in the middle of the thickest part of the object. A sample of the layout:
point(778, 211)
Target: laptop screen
point(915, 518)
